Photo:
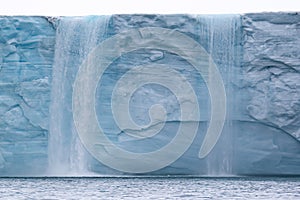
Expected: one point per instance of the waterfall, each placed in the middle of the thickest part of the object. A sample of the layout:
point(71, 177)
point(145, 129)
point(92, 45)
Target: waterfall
point(75, 38)
point(156, 79)
point(223, 34)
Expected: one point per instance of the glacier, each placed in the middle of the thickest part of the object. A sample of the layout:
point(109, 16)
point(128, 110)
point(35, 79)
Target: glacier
point(27, 51)
point(215, 95)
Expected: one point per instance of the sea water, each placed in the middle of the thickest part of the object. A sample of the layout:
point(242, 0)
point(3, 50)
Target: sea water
point(151, 188)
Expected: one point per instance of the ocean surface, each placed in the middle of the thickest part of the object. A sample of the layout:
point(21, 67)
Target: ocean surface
point(150, 188)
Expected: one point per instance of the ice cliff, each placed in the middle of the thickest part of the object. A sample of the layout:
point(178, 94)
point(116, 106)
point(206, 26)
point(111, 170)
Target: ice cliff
point(252, 79)
point(27, 51)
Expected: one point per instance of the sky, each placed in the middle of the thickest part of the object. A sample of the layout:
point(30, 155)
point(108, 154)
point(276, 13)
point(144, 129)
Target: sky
point(105, 7)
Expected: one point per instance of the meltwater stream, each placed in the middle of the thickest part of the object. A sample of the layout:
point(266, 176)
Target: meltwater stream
point(150, 95)
point(144, 94)
point(76, 37)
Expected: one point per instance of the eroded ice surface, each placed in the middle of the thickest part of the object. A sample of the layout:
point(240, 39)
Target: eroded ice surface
point(257, 56)
point(26, 57)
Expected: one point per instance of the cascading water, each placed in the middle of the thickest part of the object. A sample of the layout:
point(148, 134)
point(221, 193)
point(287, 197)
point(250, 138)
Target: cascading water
point(223, 35)
point(145, 54)
point(152, 94)
point(75, 38)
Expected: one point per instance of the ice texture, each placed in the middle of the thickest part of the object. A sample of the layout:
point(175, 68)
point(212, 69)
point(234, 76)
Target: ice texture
point(258, 58)
point(272, 67)
point(77, 35)
point(26, 57)
point(269, 138)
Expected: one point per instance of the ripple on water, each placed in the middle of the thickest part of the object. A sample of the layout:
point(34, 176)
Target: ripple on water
point(150, 188)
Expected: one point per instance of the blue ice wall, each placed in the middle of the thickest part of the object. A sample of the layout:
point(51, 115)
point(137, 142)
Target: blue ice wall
point(256, 56)
point(26, 57)
point(75, 36)
point(271, 92)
